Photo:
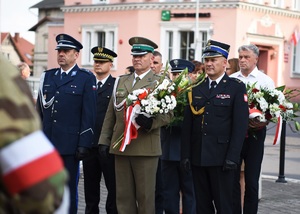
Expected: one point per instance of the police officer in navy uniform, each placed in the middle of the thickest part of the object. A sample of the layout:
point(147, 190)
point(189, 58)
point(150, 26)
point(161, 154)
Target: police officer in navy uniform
point(67, 106)
point(214, 127)
point(175, 178)
point(95, 164)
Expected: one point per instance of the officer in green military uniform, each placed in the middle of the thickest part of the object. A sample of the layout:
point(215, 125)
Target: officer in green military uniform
point(32, 176)
point(136, 166)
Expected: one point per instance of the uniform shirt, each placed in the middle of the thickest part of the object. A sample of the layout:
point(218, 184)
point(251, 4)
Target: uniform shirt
point(102, 81)
point(262, 80)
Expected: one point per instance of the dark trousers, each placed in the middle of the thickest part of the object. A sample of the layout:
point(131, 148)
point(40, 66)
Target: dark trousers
point(213, 189)
point(176, 180)
point(159, 199)
point(252, 154)
point(72, 166)
point(93, 167)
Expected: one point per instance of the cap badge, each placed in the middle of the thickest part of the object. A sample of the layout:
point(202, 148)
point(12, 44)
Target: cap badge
point(136, 40)
point(176, 62)
point(100, 49)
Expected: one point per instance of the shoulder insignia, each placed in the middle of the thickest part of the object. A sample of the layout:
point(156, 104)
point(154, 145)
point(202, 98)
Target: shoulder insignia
point(86, 71)
point(236, 80)
point(124, 75)
point(52, 70)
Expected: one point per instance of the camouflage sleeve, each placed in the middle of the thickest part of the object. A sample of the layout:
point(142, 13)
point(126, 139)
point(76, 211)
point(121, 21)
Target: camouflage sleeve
point(32, 176)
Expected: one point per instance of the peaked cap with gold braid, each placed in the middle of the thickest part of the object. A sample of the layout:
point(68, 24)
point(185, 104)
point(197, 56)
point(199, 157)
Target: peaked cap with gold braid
point(103, 54)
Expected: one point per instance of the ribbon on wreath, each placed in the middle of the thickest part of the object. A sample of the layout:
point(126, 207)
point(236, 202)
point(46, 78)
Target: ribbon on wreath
point(278, 131)
point(131, 127)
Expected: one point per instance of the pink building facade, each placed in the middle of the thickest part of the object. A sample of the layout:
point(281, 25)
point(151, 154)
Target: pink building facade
point(269, 24)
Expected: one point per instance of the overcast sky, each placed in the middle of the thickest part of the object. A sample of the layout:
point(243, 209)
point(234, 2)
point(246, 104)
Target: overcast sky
point(15, 16)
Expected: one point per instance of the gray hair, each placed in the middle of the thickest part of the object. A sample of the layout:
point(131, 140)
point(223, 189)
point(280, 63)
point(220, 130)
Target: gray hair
point(250, 47)
point(156, 53)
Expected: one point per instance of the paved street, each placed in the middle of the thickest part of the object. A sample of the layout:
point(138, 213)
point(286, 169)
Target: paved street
point(277, 198)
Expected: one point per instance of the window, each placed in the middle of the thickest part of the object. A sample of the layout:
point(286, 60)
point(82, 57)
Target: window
point(170, 46)
point(99, 35)
point(178, 38)
point(296, 59)
point(100, 1)
point(296, 5)
point(186, 41)
point(255, 1)
point(278, 3)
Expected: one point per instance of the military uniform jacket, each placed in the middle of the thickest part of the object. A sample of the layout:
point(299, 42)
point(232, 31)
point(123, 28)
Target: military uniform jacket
point(103, 98)
point(171, 142)
point(68, 118)
point(218, 133)
point(147, 142)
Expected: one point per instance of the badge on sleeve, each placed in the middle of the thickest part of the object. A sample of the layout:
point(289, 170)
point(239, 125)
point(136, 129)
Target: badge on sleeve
point(245, 98)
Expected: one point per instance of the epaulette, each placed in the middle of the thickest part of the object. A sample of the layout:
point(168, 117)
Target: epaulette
point(53, 69)
point(236, 80)
point(86, 71)
point(124, 75)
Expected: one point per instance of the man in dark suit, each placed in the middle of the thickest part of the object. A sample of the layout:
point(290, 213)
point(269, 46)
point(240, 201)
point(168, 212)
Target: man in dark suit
point(95, 164)
point(136, 166)
point(67, 106)
point(175, 178)
point(214, 127)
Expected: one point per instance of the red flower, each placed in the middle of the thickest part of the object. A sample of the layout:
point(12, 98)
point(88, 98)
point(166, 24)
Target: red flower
point(143, 95)
point(268, 116)
point(251, 105)
point(282, 108)
point(255, 90)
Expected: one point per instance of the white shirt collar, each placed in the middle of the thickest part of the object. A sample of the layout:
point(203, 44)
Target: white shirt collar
point(103, 80)
point(142, 75)
point(217, 80)
point(67, 71)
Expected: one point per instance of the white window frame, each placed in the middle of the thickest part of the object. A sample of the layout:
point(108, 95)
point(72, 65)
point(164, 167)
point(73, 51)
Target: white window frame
point(176, 27)
point(277, 3)
point(296, 5)
point(295, 60)
point(100, 1)
point(255, 1)
point(90, 39)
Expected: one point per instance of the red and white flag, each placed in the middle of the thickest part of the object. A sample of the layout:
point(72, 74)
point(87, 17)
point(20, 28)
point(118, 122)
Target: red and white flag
point(295, 37)
point(28, 161)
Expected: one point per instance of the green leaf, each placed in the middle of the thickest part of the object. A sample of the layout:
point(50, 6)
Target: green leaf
point(281, 88)
point(297, 125)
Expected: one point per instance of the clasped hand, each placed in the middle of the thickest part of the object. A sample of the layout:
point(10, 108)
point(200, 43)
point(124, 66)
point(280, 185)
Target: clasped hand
point(82, 152)
point(255, 123)
point(144, 122)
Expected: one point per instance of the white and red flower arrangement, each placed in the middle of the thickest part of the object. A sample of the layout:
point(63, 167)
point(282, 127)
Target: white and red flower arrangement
point(160, 100)
point(272, 105)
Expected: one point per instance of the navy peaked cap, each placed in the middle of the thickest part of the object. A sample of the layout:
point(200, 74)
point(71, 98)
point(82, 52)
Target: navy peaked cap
point(65, 41)
point(178, 65)
point(215, 49)
point(103, 54)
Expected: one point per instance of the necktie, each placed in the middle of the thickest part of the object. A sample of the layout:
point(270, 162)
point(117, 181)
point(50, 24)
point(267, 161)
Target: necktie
point(63, 74)
point(99, 85)
point(137, 79)
point(213, 85)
